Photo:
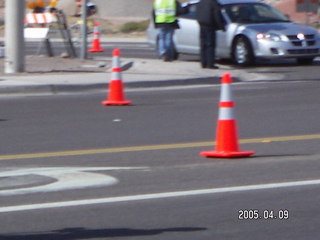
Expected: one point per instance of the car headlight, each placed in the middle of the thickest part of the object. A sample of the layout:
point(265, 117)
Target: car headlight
point(271, 37)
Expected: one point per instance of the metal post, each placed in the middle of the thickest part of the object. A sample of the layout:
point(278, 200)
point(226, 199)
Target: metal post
point(308, 11)
point(84, 30)
point(14, 36)
point(318, 14)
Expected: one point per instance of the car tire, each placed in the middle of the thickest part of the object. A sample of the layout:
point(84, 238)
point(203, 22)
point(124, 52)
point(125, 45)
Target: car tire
point(304, 61)
point(242, 53)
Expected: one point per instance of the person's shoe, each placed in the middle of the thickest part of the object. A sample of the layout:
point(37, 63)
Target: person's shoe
point(166, 58)
point(213, 67)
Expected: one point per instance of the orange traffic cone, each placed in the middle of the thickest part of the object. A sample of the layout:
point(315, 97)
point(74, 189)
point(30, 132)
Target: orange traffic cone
point(227, 136)
point(116, 94)
point(96, 40)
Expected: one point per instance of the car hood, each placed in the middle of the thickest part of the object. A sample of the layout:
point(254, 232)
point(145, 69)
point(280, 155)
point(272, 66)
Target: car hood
point(289, 28)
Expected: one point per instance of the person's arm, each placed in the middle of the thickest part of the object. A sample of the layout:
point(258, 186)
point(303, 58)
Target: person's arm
point(218, 17)
point(181, 10)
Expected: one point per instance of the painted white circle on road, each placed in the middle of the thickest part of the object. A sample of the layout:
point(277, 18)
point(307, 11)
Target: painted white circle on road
point(65, 178)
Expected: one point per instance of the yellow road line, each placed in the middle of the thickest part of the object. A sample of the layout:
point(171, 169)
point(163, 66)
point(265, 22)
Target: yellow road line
point(152, 147)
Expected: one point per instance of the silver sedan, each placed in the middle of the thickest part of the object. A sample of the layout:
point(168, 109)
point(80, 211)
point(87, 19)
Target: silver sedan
point(252, 30)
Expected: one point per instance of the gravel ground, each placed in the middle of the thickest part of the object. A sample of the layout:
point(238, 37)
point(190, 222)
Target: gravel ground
point(51, 65)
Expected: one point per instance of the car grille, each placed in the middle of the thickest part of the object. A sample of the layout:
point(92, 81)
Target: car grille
point(303, 51)
point(308, 41)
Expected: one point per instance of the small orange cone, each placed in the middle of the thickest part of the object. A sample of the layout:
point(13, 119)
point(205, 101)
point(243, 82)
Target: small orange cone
point(96, 40)
point(116, 94)
point(227, 135)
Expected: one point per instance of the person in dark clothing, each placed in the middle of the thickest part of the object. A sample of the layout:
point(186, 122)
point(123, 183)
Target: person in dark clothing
point(165, 14)
point(210, 20)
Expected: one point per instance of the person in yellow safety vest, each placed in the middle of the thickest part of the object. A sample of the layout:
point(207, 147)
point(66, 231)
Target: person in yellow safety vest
point(91, 8)
point(165, 14)
point(53, 5)
point(36, 6)
point(78, 8)
point(39, 6)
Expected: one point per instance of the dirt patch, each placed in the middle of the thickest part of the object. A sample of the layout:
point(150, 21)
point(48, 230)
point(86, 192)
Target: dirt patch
point(52, 65)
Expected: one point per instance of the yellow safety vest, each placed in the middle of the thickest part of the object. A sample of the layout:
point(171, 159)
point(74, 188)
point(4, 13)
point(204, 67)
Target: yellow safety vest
point(165, 11)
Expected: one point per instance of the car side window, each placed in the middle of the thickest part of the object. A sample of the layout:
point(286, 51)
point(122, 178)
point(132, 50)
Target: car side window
point(191, 14)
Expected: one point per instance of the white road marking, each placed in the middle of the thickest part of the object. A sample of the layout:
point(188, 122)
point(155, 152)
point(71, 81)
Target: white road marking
point(141, 197)
point(66, 178)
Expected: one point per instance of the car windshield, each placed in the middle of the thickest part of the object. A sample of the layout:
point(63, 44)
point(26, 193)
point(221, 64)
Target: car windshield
point(254, 13)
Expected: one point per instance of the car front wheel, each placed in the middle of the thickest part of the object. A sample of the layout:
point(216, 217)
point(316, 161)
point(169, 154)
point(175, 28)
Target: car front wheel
point(304, 61)
point(242, 53)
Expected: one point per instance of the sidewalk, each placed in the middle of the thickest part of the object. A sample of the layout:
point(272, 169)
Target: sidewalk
point(57, 75)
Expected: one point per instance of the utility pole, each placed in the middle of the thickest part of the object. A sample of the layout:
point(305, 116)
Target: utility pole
point(84, 30)
point(14, 36)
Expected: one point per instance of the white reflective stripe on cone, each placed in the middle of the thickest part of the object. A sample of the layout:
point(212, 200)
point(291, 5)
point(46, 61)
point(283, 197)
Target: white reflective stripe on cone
point(116, 62)
point(226, 93)
point(226, 114)
point(115, 75)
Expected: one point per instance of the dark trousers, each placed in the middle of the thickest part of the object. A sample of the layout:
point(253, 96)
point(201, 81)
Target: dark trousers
point(207, 46)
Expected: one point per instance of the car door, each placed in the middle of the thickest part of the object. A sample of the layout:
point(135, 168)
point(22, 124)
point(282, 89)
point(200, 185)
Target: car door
point(223, 39)
point(187, 36)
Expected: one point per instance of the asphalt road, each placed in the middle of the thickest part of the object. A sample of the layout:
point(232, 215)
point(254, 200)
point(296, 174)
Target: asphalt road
point(136, 50)
point(129, 49)
point(74, 169)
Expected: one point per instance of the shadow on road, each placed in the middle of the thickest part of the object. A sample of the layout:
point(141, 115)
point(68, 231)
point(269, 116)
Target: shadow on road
point(82, 233)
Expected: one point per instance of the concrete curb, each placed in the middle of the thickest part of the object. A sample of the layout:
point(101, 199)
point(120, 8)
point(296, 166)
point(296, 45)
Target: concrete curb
point(79, 88)
point(100, 81)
